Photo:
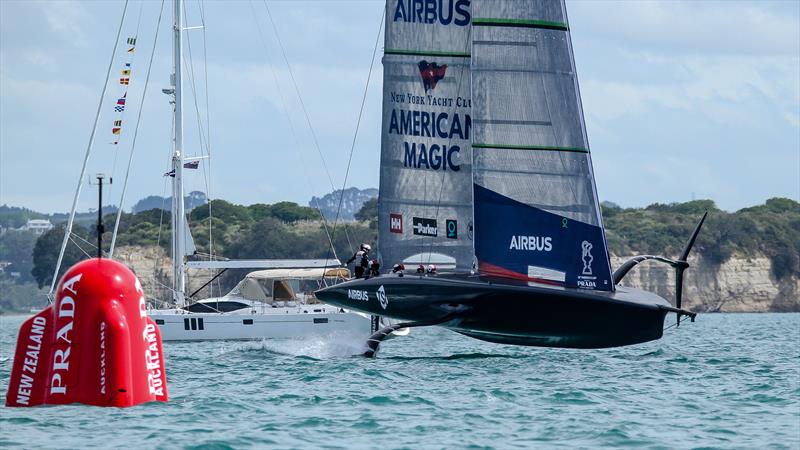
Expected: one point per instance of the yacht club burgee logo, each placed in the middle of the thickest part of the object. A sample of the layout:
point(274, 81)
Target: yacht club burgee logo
point(431, 73)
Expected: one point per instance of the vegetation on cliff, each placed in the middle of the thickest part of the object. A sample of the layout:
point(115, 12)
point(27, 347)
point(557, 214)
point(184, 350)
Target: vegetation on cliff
point(287, 230)
point(772, 229)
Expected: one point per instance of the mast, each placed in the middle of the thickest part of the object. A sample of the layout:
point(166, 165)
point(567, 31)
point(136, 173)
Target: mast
point(178, 213)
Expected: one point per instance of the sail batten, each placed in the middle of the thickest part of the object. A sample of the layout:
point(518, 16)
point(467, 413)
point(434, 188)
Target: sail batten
point(395, 51)
point(519, 23)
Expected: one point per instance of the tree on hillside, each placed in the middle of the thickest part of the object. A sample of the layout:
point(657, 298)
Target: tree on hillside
point(369, 212)
point(14, 217)
point(226, 211)
point(16, 247)
point(292, 212)
point(45, 254)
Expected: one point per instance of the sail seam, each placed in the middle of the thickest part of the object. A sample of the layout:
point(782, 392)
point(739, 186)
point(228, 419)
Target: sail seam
point(520, 23)
point(531, 147)
point(395, 51)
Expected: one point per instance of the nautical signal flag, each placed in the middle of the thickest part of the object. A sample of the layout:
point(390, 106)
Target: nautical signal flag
point(128, 65)
point(125, 80)
point(171, 173)
point(116, 130)
point(132, 41)
point(121, 101)
point(191, 164)
point(119, 108)
point(117, 123)
point(132, 49)
point(126, 72)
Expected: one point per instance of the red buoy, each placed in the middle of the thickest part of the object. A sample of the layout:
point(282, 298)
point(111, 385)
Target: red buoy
point(94, 345)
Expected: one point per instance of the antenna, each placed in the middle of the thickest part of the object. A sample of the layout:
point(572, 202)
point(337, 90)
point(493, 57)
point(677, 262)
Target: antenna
point(100, 227)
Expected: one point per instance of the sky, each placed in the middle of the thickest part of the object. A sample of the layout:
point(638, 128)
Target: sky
point(683, 99)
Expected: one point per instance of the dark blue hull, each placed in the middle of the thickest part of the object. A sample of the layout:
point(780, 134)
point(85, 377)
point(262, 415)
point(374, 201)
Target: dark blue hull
point(506, 313)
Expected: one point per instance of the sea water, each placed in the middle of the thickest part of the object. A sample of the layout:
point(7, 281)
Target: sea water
point(726, 381)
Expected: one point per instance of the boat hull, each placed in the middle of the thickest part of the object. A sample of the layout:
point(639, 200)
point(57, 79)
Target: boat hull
point(177, 325)
point(520, 314)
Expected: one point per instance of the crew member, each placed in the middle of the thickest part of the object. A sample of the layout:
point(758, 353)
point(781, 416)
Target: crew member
point(398, 269)
point(361, 258)
point(431, 269)
point(374, 268)
point(421, 269)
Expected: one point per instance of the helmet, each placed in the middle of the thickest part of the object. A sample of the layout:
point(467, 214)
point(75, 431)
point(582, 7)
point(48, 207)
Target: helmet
point(420, 269)
point(366, 247)
point(431, 268)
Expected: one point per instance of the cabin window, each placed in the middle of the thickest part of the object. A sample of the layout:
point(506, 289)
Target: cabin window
point(200, 324)
point(247, 321)
point(185, 324)
point(194, 323)
point(159, 321)
point(213, 307)
point(320, 320)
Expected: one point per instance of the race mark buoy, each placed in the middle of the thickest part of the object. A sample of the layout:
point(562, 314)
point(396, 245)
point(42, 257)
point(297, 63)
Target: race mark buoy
point(94, 345)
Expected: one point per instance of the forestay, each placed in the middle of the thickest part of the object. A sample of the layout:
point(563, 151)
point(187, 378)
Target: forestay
point(537, 216)
point(425, 206)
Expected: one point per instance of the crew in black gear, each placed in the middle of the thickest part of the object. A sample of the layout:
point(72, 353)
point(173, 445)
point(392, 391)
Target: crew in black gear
point(361, 258)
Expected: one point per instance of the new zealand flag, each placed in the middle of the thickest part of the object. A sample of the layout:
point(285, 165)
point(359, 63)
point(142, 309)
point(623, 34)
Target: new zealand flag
point(431, 74)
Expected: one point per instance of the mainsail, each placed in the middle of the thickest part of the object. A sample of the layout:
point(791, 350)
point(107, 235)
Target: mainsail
point(537, 216)
point(425, 206)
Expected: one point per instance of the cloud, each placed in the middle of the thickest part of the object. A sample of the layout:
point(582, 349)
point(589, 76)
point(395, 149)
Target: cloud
point(714, 56)
point(693, 27)
point(68, 19)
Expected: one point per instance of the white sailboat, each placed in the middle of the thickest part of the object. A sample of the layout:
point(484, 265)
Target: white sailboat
point(274, 302)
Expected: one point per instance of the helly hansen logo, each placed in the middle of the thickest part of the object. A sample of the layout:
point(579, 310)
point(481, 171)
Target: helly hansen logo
point(431, 74)
point(396, 223)
point(424, 227)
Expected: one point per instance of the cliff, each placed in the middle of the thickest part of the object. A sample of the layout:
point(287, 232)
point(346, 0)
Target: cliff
point(740, 284)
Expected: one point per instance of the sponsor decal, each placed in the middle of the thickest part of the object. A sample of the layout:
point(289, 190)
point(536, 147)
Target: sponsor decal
point(586, 280)
point(381, 293)
point(357, 294)
point(531, 243)
point(451, 226)
point(31, 362)
point(431, 73)
point(103, 357)
point(443, 156)
point(424, 227)
point(442, 12)
point(396, 223)
point(586, 256)
point(152, 359)
point(64, 323)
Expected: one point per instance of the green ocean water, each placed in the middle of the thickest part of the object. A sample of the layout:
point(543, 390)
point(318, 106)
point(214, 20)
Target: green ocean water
point(726, 381)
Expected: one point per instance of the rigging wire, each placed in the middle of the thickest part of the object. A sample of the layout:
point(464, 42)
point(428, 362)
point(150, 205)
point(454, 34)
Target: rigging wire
point(358, 122)
point(305, 112)
point(164, 201)
point(208, 131)
point(292, 129)
point(86, 158)
point(135, 134)
point(192, 82)
point(79, 247)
